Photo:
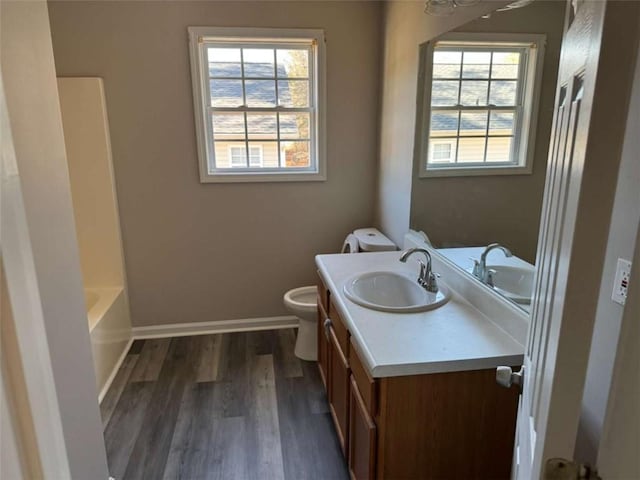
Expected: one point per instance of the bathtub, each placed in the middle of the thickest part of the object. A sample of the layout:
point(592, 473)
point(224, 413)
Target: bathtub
point(110, 331)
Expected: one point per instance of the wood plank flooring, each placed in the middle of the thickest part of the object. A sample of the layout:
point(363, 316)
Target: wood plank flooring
point(227, 406)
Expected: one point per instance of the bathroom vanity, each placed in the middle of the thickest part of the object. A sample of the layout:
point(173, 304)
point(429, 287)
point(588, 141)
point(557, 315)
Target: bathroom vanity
point(414, 395)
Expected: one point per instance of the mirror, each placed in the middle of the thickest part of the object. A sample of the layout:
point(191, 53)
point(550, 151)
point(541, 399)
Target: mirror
point(486, 96)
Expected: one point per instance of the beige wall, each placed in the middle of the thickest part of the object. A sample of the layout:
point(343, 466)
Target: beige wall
point(189, 256)
point(405, 27)
point(457, 211)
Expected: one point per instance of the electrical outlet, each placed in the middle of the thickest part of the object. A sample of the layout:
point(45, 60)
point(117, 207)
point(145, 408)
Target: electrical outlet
point(621, 282)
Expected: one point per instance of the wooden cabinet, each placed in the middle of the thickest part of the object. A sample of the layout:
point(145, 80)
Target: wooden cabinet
point(362, 437)
point(323, 346)
point(339, 390)
point(455, 425)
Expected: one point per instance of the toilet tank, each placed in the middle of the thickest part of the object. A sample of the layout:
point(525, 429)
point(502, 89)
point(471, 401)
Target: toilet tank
point(373, 240)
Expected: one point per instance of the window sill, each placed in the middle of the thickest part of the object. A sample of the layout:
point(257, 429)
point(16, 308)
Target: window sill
point(262, 177)
point(475, 172)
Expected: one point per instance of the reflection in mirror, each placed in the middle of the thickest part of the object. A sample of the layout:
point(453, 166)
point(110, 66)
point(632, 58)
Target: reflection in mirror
point(486, 93)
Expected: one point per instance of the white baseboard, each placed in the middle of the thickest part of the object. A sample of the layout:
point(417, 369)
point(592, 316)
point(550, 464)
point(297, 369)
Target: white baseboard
point(222, 326)
point(114, 372)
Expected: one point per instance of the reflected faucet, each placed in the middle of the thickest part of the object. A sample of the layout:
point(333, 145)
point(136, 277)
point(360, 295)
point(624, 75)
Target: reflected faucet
point(426, 278)
point(480, 267)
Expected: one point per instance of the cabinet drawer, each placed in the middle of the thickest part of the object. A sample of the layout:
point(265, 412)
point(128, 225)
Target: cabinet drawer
point(342, 334)
point(323, 293)
point(367, 386)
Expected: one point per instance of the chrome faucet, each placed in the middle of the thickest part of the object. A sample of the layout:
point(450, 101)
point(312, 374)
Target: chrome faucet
point(426, 278)
point(480, 270)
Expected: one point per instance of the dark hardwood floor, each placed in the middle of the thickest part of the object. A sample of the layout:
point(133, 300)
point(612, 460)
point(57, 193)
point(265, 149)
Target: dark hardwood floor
point(227, 406)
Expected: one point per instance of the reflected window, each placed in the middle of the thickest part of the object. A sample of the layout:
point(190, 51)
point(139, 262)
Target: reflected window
point(479, 103)
point(258, 103)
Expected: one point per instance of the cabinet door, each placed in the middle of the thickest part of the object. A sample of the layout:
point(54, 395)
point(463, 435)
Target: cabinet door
point(339, 390)
point(362, 437)
point(323, 347)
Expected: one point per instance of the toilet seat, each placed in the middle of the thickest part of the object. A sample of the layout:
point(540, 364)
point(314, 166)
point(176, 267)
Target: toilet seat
point(302, 298)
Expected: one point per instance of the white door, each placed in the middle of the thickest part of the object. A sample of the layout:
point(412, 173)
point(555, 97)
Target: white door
point(590, 112)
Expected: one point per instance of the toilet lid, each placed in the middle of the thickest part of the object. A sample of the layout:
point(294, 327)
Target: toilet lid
point(372, 240)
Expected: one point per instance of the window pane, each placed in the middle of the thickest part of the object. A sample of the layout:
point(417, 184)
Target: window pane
point(504, 71)
point(238, 156)
point(262, 125)
point(444, 93)
point(293, 93)
point(442, 152)
point(228, 126)
point(471, 149)
point(503, 93)
point(226, 93)
point(267, 152)
point(473, 123)
point(230, 154)
point(476, 64)
point(501, 123)
point(255, 156)
point(260, 93)
point(293, 63)
point(295, 154)
point(505, 65)
point(444, 124)
point(446, 64)
point(224, 62)
point(258, 62)
point(474, 92)
point(499, 149)
point(294, 125)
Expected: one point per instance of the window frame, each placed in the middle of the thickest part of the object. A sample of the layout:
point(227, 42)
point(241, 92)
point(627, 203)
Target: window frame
point(199, 38)
point(528, 93)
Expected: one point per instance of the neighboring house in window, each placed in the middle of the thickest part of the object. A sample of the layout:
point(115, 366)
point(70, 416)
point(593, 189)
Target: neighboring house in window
point(238, 157)
point(479, 104)
point(259, 95)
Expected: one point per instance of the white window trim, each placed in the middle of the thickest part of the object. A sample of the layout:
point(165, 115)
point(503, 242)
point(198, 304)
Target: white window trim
point(200, 90)
point(259, 147)
point(532, 76)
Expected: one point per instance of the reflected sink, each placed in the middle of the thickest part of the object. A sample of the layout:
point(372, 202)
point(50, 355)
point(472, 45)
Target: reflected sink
point(392, 292)
point(515, 283)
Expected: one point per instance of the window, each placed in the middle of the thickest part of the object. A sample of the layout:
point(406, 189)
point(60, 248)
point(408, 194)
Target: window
point(441, 152)
point(259, 101)
point(479, 104)
point(238, 156)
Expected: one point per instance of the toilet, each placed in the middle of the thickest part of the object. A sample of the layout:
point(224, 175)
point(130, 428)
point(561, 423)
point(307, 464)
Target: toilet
point(302, 302)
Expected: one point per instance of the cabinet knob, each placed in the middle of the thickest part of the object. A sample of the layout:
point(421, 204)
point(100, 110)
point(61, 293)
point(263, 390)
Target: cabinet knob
point(506, 377)
point(327, 325)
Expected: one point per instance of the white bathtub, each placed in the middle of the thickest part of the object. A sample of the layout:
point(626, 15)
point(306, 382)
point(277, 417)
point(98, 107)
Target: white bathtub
point(110, 327)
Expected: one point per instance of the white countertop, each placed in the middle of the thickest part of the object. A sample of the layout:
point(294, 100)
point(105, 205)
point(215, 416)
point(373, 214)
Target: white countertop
point(454, 337)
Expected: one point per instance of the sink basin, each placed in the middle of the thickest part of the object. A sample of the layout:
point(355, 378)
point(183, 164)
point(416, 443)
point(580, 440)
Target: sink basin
point(392, 292)
point(515, 283)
